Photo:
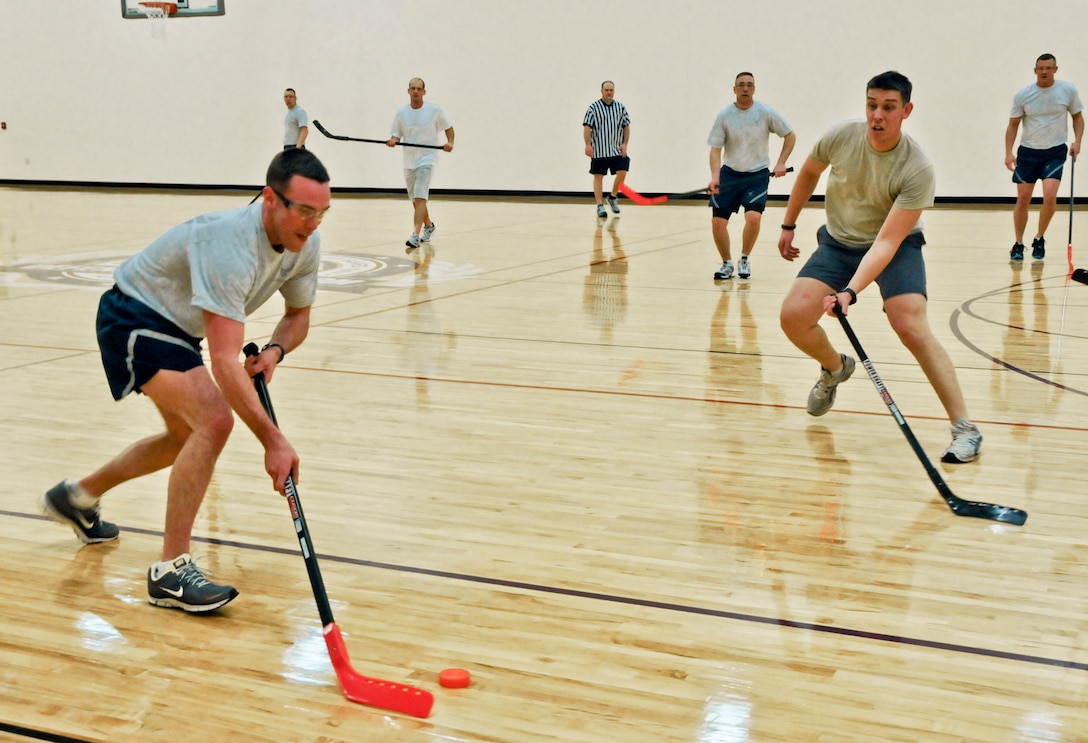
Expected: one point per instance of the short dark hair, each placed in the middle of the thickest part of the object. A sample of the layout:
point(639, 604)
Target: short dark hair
point(289, 90)
point(1045, 57)
point(742, 74)
point(891, 80)
point(289, 163)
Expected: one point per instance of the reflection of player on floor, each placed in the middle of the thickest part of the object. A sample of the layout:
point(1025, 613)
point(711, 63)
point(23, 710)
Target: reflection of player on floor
point(604, 294)
point(419, 123)
point(881, 182)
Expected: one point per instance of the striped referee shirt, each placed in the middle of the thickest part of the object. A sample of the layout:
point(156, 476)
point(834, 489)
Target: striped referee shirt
point(607, 120)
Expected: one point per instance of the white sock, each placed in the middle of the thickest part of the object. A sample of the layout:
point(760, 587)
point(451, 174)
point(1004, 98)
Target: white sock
point(78, 497)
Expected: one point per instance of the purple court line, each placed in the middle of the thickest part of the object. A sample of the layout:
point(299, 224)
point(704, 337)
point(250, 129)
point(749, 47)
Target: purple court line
point(627, 600)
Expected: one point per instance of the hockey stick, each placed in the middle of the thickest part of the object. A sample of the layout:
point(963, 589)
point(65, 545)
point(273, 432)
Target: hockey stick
point(357, 688)
point(959, 506)
point(640, 200)
point(1077, 274)
point(326, 132)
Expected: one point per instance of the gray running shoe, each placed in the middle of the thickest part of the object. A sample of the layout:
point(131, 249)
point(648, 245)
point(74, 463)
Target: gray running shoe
point(615, 204)
point(744, 269)
point(601, 213)
point(412, 242)
point(183, 586)
point(822, 396)
point(966, 442)
point(85, 522)
point(725, 272)
point(425, 236)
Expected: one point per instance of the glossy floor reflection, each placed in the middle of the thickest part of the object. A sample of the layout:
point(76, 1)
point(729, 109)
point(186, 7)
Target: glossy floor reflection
point(553, 451)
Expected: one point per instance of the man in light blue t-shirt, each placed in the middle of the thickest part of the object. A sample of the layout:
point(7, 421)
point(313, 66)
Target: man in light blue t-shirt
point(740, 169)
point(1044, 107)
point(199, 281)
point(296, 127)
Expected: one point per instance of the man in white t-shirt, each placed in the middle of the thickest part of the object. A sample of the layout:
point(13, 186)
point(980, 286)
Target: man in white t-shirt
point(740, 171)
point(1044, 107)
point(199, 281)
point(296, 127)
point(419, 123)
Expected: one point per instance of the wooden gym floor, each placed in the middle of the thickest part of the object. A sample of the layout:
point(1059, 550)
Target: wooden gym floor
point(556, 454)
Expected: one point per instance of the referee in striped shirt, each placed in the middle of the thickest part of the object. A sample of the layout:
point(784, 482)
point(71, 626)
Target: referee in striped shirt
point(607, 129)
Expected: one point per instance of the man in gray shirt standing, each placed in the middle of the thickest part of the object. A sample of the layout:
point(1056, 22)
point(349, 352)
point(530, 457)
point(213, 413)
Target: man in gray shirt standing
point(1045, 107)
point(295, 125)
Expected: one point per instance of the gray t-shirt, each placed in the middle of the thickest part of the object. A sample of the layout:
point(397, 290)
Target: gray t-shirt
point(742, 134)
point(221, 262)
point(1045, 113)
point(864, 184)
point(293, 123)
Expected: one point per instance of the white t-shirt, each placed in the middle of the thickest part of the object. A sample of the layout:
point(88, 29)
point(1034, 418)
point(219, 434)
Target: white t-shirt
point(742, 134)
point(296, 119)
point(220, 262)
point(1045, 113)
point(419, 126)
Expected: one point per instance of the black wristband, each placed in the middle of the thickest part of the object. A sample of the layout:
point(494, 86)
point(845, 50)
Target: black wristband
point(283, 353)
point(853, 294)
point(790, 227)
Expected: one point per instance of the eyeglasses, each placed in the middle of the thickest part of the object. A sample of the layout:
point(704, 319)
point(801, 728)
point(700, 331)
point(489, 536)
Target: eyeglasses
point(303, 211)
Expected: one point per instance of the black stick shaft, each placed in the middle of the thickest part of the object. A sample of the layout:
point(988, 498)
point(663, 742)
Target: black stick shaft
point(302, 531)
point(328, 134)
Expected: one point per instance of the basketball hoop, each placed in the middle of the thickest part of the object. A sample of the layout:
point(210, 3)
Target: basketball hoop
point(157, 13)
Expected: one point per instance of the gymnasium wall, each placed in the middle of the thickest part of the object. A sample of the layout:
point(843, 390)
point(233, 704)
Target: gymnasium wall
point(90, 97)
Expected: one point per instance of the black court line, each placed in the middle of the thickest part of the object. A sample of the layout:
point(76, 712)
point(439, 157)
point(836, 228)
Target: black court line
point(626, 600)
point(38, 734)
point(966, 309)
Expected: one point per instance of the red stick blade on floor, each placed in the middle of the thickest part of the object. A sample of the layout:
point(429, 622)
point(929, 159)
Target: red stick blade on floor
point(371, 691)
point(639, 199)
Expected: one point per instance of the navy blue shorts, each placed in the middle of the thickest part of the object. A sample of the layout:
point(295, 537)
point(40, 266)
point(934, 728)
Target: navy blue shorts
point(835, 264)
point(136, 342)
point(602, 165)
point(740, 189)
point(1033, 165)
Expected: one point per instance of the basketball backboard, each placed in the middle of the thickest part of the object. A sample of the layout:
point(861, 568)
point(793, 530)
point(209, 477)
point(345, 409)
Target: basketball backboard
point(185, 8)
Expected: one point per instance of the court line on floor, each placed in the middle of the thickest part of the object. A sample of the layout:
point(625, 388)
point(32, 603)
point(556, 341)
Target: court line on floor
point(624, 600)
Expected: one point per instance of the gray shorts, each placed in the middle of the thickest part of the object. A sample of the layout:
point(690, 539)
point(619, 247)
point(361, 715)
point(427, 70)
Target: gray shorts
point(835, 264)
point(419, 182)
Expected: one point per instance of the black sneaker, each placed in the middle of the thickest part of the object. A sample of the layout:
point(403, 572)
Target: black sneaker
point(85, 522)
point(1017, 252)
point(1038, 249)
point(183, 586)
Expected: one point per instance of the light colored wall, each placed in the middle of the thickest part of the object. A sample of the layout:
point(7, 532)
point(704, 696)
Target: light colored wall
point(88, 96)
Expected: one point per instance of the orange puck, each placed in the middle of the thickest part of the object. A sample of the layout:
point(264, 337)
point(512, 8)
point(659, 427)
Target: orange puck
point(454, 678)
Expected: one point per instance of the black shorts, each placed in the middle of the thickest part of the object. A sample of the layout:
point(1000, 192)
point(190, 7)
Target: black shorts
point(835, 264)
point(602, 165)
point(136, 342)
point(1033, 165)
point(740, 189)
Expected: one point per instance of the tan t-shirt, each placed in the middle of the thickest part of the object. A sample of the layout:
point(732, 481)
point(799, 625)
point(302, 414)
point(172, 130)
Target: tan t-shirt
point(863, 185)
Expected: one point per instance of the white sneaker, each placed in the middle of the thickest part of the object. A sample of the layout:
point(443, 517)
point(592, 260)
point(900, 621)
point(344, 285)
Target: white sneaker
point(725, 272)
point(822, 395)
point(966, 442)
point(412, 242)
point(425, 236)
point(744, 270)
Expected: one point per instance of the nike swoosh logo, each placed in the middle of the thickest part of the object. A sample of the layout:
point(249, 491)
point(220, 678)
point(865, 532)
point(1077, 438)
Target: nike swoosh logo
point(176, 594)
point(83, 521)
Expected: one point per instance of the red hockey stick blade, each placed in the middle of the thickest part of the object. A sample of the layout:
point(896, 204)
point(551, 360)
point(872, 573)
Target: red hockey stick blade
point(371, 691)
point(639, 199)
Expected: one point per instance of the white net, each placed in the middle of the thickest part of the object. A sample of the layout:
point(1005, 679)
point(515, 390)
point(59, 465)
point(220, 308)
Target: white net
point(157, 17)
